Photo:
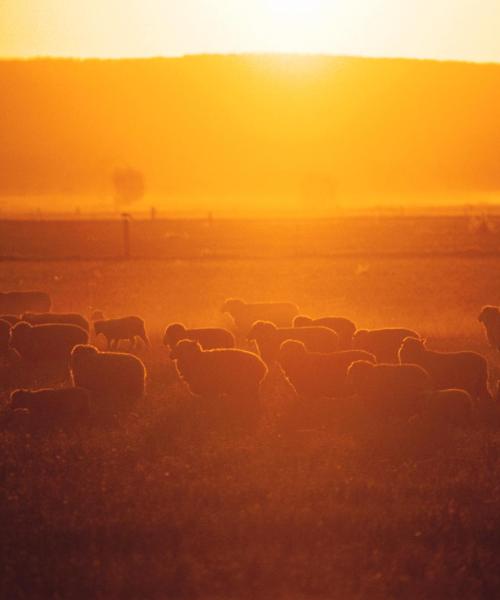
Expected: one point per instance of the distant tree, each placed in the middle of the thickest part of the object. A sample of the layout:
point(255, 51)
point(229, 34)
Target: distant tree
point(129, 185)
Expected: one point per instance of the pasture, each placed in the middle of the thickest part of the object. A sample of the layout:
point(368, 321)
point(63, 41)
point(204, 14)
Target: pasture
point(317, 503)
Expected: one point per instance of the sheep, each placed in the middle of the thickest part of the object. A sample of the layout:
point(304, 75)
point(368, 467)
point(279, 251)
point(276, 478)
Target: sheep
point(4, 337)
point(53, 341)
point(245, 315)
point(62, 318)
point(391, 389)
point(384, 343)
point(209, 338)
point(490, 318)
point(462, 370)
point(269, 339)
point(343, 327)
point(453, 407)
point(228, 371)
point(125, 328)
point(115, 379)
point(313, 374)
point(53, 407)
point(17, 303)
point(12, 319)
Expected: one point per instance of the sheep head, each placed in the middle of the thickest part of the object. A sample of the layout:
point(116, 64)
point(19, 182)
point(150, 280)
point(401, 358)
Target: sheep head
point(173, 334)
point(232, 306)
point(186, 350)
point(82, 353)
point(291, 351)
point(412, 346)
point(488, 314)
point(19, 334)
point(262, 330)
point(359, 337)
point(357, 372)
point(302, 321)
point(100, 327)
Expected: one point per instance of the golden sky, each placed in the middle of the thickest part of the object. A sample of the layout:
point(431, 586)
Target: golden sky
point(442, 29)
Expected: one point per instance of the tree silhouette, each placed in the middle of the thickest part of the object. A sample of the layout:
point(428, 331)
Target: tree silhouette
point(129, 186)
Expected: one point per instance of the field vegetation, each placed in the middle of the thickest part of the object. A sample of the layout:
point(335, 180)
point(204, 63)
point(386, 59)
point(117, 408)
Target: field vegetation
point(321, 501)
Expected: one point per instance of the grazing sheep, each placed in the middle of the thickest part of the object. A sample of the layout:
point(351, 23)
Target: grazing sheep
point(245, 315)
point(61, 318)
point(53, 341)
point(384, 343)
point(490, 318)
point(453, 407)
point(313, 374)
point(208, 338)
point(17, 303)
point(53, 407)
point(390, 389)
point(125, 328)
point(228, 371)
point(343, 327)
point(269, 339)
point(463, 370)
point(12, 319)
point(116, 377)
point(4, 337)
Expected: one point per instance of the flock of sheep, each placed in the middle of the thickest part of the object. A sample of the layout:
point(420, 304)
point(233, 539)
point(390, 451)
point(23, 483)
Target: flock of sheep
point(389, 371)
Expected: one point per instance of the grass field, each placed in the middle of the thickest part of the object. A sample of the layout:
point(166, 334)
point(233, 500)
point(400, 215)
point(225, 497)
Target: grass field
point(318, 503)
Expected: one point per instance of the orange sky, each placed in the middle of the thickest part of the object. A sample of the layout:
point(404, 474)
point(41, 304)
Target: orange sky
point(443, 29)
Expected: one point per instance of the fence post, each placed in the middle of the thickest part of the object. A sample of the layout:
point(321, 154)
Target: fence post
point(126, 235)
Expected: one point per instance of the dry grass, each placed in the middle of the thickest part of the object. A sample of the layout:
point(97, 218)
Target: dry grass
point(319, 502)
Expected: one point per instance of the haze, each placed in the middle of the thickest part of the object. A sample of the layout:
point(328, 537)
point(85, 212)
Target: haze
point(442, 29)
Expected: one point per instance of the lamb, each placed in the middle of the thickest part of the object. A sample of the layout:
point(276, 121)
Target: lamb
point(463, 370)
point(4, 337)
point(228, 371)
point(313, 374)
point(208, 338)
point(395, 390)
point(53, 407)
point(343, 327)
point(125, 328)
point(17, 303)
point(245, 315)
point(116, 377)
point(36, 343)
point(269, 339)
point(62, 318)
point(490, 318)
point(383, 343)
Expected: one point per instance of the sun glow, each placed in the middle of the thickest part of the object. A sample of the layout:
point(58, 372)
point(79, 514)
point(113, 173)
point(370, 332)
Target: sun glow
point(292, 25)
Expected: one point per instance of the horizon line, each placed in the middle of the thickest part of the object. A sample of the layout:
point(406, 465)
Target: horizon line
point(89, 58)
